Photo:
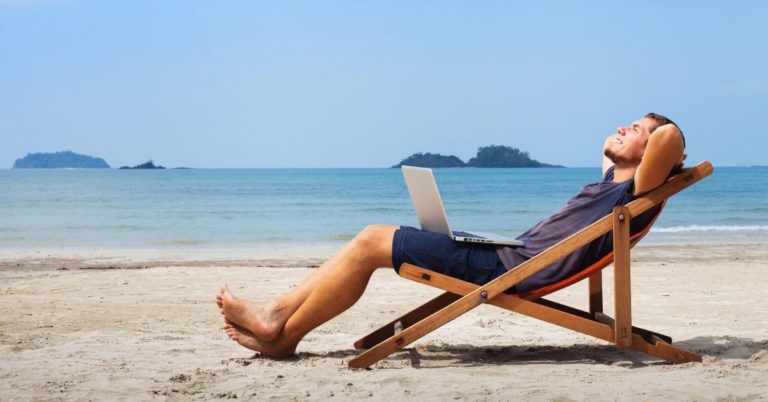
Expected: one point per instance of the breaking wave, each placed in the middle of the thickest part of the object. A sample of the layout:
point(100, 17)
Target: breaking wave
point(711, 228)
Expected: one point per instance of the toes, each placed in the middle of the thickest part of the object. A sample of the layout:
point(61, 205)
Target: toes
point(220, 298)
point(223, 290)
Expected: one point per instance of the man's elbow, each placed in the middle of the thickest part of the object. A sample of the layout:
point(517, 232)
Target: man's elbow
point(667, 130)
point(667, 137)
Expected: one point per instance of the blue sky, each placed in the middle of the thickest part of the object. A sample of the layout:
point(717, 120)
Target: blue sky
point(366, 83)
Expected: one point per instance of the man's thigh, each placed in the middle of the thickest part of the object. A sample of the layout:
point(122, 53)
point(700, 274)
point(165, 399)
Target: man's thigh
point(476, 263)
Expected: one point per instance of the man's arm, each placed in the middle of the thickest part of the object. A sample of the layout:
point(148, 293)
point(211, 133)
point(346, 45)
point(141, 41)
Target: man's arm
point(663, 152)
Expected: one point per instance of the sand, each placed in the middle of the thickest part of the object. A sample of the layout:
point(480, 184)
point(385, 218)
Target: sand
point(138, 325)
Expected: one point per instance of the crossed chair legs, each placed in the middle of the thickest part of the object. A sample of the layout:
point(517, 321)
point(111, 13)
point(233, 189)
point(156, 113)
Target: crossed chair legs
point(619, 330)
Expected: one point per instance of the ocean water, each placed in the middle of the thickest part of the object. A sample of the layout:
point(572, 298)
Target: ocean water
point(244, 208)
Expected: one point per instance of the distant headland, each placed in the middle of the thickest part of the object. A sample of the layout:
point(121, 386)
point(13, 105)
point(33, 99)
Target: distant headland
point(492, 156)
point(60, 160)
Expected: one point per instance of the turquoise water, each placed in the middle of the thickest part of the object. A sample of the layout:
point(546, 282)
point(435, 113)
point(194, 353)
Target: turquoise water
point(256, 207)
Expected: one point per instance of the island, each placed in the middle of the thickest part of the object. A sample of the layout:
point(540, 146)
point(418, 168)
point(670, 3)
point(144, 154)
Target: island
point(492, 156)
point(146, 165)
point(431, 160)
point(500, 156)
point(60, 160)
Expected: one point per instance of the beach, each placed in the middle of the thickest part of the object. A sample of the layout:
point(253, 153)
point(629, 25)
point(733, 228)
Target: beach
point(154, 153)
point(139, 324)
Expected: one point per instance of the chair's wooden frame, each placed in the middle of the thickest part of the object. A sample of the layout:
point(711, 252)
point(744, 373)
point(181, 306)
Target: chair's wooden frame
point(461, 296)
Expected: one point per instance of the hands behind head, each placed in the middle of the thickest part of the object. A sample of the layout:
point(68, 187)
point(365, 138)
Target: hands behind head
point(671, 130)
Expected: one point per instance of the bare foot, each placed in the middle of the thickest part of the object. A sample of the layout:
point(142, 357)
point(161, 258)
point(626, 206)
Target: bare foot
point(262, 320)
point(247, 339)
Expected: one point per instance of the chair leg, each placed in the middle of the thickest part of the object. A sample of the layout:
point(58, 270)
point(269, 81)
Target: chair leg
point(601, 327)
point(412, 317)
point(621, 282)
point(598, 325)
point(596, 293)
point(660, 348)
point(649, 336)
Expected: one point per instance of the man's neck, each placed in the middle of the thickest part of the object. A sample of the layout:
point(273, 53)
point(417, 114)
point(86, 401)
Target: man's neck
point(623, 173)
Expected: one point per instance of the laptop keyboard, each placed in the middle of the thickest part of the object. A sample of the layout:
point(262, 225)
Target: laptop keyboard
point(467, 234)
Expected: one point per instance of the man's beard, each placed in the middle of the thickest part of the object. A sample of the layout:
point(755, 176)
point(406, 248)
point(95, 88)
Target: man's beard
point(615, 158)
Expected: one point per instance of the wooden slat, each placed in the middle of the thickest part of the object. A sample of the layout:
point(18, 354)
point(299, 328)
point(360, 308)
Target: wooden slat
point(596, 292)
point(416, 331)
point(621, 278)
point(674, 186)
point(600, 326)
point(651, 336)
point(664, 350)
point(542, 309)
point(406, 320)
point(553, 314)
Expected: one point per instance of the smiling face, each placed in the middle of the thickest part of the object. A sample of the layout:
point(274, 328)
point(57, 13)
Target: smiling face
point(627, 146)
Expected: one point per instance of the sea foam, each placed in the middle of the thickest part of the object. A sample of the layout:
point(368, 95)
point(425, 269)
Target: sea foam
point(710, 228)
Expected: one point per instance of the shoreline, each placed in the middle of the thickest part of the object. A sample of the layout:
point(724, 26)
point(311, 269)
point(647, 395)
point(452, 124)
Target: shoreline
point(305, 256)
point(143, 325)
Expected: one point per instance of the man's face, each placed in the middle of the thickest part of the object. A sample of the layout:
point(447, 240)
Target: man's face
point(628, 144)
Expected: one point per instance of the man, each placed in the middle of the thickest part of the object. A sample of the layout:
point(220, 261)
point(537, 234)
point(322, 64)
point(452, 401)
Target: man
point(637, 158)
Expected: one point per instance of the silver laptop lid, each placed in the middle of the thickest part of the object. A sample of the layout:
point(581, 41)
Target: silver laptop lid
point(426, 199)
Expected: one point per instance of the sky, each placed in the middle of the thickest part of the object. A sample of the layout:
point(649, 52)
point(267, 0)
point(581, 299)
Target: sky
point(250, 84)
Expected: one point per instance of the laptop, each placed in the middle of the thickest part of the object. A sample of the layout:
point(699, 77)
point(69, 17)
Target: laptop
point(431, 212)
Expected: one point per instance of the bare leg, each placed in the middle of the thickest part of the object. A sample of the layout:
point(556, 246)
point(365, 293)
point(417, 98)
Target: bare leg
point(329, 291)
point(269, 318)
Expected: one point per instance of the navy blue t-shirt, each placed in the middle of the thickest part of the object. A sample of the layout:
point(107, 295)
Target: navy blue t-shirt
point(593, 202)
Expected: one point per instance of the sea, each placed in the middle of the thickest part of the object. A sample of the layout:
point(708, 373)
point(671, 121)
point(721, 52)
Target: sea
point(282, 208)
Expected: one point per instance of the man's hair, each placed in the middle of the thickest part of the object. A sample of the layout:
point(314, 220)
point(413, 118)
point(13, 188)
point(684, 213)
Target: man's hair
point(662, 120)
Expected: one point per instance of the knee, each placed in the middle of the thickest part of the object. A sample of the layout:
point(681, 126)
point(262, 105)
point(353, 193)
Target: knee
point(374, 243)
point(370, 236)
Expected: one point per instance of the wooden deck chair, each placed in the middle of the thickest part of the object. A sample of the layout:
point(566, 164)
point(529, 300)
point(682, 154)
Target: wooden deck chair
point(461, 296)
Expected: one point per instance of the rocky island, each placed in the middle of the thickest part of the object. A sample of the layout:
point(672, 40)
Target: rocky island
point(71, 160)
point(146, 165)
point(492, 156)
point(431, 160)
point(60, 160)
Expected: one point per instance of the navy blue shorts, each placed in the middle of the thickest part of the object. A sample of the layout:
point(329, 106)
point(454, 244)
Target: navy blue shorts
point(476, 263)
